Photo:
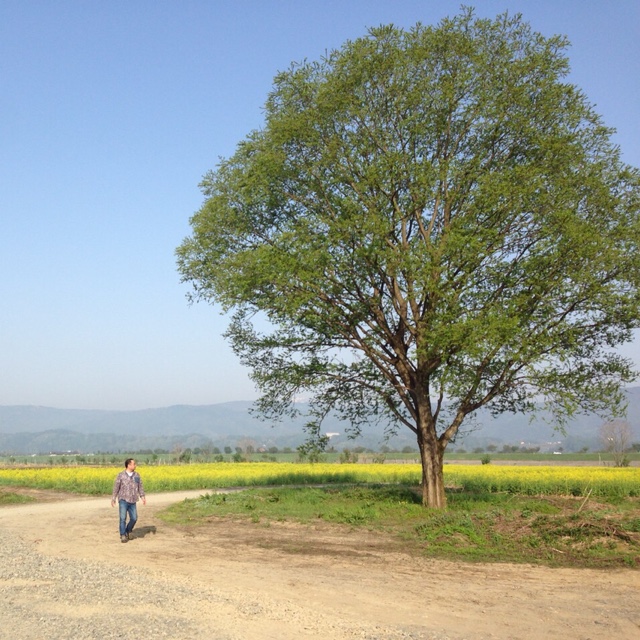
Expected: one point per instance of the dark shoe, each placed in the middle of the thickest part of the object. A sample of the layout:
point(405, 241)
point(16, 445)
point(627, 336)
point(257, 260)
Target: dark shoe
point(124, 538)
point(129, 536)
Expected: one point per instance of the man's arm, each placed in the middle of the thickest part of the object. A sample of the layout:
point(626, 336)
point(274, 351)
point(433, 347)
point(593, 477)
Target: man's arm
point(141, 490)
point(116, 490)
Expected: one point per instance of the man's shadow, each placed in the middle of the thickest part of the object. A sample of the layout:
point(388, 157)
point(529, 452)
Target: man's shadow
point(141, 532)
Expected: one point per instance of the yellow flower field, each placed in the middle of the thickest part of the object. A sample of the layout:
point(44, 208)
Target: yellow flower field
point(547, 480)
point(530, 480)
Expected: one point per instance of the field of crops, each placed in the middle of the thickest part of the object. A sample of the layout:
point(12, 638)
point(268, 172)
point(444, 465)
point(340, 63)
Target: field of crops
point(538, 480)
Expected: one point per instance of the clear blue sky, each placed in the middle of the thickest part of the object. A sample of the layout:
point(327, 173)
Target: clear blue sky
point(111, 112)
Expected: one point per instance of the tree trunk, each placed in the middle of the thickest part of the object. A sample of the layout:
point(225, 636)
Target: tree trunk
point(431, 456)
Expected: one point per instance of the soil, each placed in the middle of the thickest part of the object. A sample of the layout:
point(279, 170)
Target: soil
point(286, 582)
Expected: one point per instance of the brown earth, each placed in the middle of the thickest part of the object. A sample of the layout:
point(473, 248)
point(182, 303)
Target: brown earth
point(323, 581)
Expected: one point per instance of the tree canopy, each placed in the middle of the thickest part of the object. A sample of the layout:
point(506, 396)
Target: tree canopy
point(430, 221)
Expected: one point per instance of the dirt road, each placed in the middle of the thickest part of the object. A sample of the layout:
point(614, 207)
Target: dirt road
point(65, 574)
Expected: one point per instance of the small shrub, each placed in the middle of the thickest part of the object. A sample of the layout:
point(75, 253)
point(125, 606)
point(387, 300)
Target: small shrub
point(348, 457)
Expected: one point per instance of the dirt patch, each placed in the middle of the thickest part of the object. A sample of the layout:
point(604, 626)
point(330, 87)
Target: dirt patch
point(39, 495)
point(300, 578)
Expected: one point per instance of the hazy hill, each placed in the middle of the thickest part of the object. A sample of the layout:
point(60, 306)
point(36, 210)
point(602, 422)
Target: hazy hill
point(31, 429)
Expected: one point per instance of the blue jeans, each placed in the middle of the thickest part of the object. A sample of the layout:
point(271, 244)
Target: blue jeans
point(130, 508)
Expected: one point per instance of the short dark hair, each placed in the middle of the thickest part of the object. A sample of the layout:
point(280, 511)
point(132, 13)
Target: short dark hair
point(127, 461)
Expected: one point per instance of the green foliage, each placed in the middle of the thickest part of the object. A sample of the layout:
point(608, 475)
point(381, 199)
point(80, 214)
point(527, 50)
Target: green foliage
point(348, 457)
point(7, 497)
point(426, 213)
point(312, 449)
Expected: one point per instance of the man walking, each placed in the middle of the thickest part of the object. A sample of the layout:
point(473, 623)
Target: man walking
point(127, 489)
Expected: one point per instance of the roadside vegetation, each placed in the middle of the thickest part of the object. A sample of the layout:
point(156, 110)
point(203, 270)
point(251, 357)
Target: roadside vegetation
point(11, 497)
point(348, 455)
point(477, 526)
point(606, 482)
point(583, 516)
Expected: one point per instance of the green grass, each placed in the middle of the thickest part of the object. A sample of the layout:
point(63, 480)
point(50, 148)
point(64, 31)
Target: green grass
point(7, 497)
point(476, 527)
point(550, 458)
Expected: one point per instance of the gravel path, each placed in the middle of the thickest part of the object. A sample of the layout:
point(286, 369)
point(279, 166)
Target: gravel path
point(54, 598)
point(244, 581)
point(63, 598)
point(43, 597)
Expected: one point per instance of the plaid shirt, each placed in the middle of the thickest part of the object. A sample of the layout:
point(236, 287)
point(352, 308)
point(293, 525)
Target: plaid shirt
point(128, 488)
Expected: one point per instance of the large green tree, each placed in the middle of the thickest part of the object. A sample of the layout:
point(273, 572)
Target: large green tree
point(430, 221)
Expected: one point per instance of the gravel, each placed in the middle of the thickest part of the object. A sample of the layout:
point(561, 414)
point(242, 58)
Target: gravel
point(63, 599)
point(54, 598)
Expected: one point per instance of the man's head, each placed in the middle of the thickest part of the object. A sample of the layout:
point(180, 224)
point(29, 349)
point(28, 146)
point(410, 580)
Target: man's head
point(130, 464)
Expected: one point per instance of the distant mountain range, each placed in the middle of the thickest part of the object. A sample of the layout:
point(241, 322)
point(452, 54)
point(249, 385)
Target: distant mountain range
point(30, 429)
